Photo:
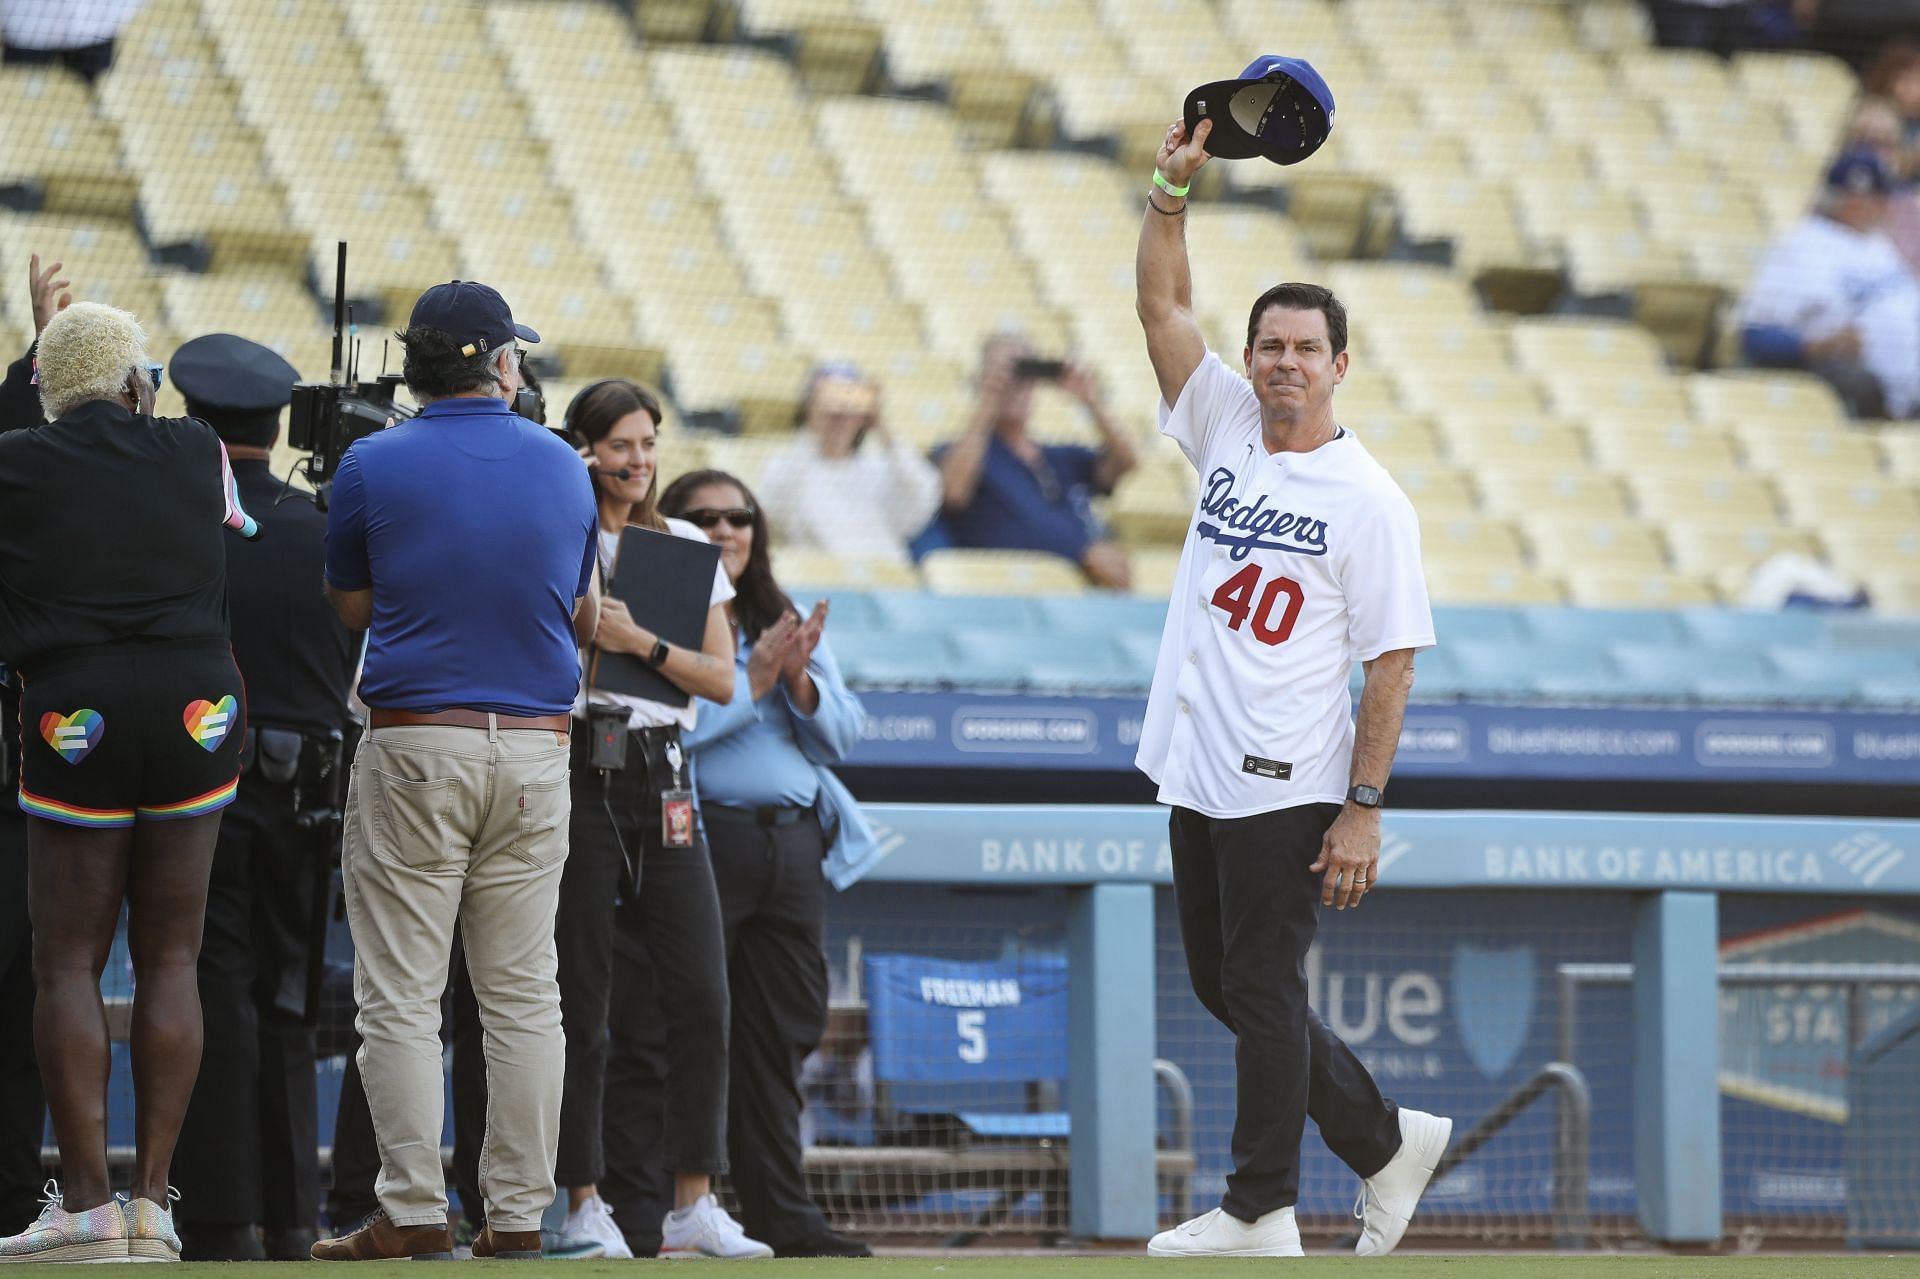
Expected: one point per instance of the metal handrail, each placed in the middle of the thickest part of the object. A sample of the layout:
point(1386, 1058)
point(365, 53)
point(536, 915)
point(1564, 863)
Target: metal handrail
point(1573, 1135)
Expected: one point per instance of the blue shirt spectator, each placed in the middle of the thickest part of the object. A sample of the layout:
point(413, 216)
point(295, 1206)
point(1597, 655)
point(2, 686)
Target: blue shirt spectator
point(474, 528)
point(769, 753)
point(1002, 490)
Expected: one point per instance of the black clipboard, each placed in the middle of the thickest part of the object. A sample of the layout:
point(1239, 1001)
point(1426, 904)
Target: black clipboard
point(666, 582)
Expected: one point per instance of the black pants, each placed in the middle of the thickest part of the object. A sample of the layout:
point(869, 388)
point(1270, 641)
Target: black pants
point(23, 1103)
point(666, 1077)
point(773, 904)
point(1248, 910)
point(249, 1146)
point(356, 1153)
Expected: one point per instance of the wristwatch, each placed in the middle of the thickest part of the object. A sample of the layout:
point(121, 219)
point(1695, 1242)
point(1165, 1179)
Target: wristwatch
point(658, 657)
point(1365, 796)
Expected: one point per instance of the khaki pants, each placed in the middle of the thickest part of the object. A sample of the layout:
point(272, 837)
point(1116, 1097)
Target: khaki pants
point(466, 825)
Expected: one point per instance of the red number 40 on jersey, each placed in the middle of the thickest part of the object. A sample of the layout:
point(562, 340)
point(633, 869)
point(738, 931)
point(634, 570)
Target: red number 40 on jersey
point(1235, 598)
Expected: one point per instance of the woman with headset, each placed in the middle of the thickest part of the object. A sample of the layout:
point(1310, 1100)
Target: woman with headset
point(638, 927)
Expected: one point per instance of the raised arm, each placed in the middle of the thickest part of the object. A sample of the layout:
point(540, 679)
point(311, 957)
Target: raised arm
point(965, 458)
point(1163, 285)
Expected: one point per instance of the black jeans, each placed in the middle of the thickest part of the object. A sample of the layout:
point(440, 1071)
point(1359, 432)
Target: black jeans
point(773, 903)
point(666, 1077)
point(1248, 910)
point(249, 1146)
point(23, 1102)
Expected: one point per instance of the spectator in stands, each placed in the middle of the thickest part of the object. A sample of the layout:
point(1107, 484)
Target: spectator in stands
point(1727, 26)
point(118, 626)
point(76, 34)
point(1003, 490)
point(844, 483)
point(1834, 297)
point(1877, 127)
point(1894, 78)
point(781, 828)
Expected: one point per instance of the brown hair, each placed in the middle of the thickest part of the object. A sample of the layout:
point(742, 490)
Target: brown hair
point(591, 415)
point(1894, 60)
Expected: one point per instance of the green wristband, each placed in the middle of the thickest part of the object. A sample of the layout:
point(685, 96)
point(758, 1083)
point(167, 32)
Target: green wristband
point(1160, 180)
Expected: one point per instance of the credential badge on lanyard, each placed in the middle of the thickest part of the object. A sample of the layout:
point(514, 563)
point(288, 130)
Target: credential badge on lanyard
point(676, 805)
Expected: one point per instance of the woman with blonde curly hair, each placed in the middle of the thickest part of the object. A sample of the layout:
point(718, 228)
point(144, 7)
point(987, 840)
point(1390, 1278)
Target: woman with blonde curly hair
point(113, 612)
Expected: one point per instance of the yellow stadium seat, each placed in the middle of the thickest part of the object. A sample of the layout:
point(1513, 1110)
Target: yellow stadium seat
point(1556, 346)
point(1548, 72)
point(1703, 210)
point(1825, 453)
point(1235, 254)
point(1417, 347)
point(801, 566)
point(1437, 492)
point(1720, 497)
point(1497, 391)
point(1631, 442)
point(1901, 447)
point(57, 142)
point(1728, 550)
point(1469, 583)
point(1499, 26)
point(1665, 73)
point(882, 337)
point(1608, 587)
point(1614, 25)
point(1895, 592)
point(929, 409)
point(1736, 399)
point(1865, 546)
point(1472, 539)
point(1396, 440)
point(1815, 502)
point(969, 572)
point(1552, 209)
point(1309, 24)
point(1153, 504)
point(1475, 214)
point(1816, 90)
point(1153, 570)
point(1521, 491)
point(1406, 291)
point(1570, 544)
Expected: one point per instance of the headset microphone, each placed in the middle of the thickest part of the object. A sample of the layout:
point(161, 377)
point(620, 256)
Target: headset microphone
point(622, 474)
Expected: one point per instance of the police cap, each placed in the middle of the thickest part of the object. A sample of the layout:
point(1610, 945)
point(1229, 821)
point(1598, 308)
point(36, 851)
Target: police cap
point(237, 386)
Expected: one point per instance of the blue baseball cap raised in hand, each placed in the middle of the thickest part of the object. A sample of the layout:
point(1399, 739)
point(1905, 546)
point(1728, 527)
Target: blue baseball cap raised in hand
point(1278, 107)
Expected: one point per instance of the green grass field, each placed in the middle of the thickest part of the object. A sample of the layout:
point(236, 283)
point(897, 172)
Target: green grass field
point(1119, 1266)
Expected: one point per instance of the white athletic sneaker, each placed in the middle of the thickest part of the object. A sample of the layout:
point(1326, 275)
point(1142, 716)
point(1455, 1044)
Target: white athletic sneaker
point(705, 1230)
point(1221, 1234)
point(594, 1220)
point(98, 1234)
point(1388, 1198)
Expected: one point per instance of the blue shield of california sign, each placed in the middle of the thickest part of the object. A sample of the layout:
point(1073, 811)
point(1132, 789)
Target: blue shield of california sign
point(1493, 994)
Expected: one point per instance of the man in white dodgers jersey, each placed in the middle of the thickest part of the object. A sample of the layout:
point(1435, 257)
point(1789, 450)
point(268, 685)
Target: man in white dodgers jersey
point(1304, 557)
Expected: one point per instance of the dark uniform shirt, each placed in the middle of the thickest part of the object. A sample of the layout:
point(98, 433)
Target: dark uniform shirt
point(110, 530)
point(291, 647)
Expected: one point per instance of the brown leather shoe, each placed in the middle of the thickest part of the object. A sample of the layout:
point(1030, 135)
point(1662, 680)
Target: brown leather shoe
point(380, 1240)
point(507, 1245)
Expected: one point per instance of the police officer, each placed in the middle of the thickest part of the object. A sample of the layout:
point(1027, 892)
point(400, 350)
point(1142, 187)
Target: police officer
point(248, 1154)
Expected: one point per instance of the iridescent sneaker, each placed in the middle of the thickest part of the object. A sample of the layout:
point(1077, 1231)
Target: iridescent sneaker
point(150, 1232)
point(98, 1234)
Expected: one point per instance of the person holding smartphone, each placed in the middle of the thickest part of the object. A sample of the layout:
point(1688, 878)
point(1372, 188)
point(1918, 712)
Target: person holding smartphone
point(1000, 489)
point(845, 483)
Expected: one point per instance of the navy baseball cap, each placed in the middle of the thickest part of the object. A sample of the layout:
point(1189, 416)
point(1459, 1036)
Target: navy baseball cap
point(472, 314)
point(1278, 107)
point(1860, 172)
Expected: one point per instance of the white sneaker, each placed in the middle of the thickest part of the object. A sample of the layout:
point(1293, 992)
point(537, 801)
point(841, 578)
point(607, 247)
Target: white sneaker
point(705, 1230)
point(593, 1220)
point(1221, 1234)
point(98, 1234)
point(1389, 1197)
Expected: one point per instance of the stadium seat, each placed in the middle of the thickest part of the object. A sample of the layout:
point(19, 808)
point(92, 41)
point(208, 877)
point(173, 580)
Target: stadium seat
point(966, 572)
point(1104, 614)
point(1587, 545)
point(1727, 550)
point(1738, 399)
point(1607, 586)
point(1153, 570)
point(1836, 502)
point(1754, 629)
point(59, 145)
point(1724, 497)
point(892, 658)
point(1553, 629)
point(1476, 584)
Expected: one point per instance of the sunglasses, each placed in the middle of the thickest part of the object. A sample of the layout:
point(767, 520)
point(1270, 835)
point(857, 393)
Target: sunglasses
point(158, 372)
point(706, 517)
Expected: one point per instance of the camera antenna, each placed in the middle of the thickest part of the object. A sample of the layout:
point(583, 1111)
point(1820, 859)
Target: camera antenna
point(339, 307)
point(353, 349)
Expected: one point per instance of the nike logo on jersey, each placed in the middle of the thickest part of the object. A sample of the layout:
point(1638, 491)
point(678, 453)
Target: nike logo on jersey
point(1247, 528)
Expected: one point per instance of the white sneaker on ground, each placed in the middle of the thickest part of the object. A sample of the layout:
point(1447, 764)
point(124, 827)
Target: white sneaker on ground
point(594, 1220)
point(1221, 1234)
point(150, 1232)
point(1388, 1198)
point(705, 1230)
point(98, 1234)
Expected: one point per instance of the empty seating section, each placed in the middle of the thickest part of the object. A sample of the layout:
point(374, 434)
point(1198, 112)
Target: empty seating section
point(715, 195)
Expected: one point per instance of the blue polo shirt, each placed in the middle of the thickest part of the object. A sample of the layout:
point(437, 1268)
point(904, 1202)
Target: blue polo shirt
point(1027, 508)
point(475, 528)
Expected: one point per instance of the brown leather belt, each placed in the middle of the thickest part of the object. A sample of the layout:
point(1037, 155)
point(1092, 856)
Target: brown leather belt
point(463, 717)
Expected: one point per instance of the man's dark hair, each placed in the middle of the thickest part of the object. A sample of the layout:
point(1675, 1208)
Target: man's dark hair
point(1295, 296)
point(758, 601)
point(435, 368)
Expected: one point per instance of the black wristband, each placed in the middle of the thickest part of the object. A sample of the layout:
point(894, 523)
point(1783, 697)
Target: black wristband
point(1165, 213)
point(658, 657)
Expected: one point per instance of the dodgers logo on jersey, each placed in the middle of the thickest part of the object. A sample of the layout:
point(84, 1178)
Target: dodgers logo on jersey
point(1248, 527)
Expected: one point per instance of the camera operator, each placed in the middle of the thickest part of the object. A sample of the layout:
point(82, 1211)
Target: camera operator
point(463, 540)
point(1003, 490)
point(118, 626)
point(658, 962)
point(249, 1148)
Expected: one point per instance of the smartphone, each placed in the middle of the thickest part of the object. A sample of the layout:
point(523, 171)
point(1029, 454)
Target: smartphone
point(1033, 369)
